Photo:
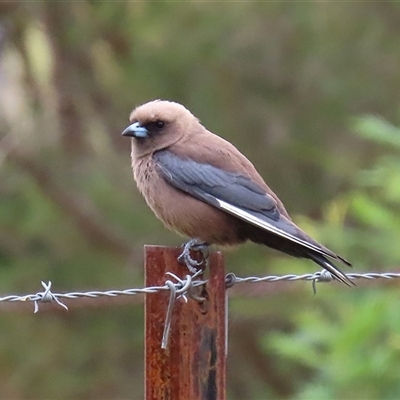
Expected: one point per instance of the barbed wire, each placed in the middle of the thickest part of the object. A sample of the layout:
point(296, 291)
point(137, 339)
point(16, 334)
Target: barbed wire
point(183, 287)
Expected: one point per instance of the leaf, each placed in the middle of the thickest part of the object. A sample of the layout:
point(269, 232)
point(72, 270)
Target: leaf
point(378, 130)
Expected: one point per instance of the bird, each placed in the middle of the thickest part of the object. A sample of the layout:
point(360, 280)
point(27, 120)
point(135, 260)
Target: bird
point(201, 186)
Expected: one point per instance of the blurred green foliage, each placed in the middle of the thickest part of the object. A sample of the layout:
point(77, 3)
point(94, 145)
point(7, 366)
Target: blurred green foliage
point(298, 87)
point(354, 345)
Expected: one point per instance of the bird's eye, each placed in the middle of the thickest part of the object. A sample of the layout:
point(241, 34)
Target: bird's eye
point(160, 124)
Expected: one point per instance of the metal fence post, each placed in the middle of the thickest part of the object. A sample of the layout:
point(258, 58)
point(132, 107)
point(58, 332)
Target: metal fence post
point(193, 366)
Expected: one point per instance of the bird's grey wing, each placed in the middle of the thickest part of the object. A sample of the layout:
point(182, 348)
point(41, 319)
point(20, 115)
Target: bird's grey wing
point(231, 192)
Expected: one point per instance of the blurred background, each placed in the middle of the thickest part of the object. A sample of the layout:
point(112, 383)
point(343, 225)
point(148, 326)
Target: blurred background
point(308, 91)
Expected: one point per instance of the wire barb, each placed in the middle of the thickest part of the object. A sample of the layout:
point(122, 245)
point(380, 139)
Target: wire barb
point(323, 276)
point(46, 297)
point(230, 280)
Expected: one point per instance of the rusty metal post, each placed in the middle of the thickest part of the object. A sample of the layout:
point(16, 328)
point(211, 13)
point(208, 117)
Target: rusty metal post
point(193, 365)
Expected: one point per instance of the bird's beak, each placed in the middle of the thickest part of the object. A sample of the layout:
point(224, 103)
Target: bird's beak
point(135, 130)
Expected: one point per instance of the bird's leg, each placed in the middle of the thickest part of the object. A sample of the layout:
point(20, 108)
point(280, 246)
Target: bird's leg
point(185, 258)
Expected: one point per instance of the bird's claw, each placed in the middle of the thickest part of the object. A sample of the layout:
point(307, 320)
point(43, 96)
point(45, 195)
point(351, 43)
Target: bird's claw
point(186, 258)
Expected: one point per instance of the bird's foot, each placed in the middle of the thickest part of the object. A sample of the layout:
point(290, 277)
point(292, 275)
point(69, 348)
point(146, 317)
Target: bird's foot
point(186, 258)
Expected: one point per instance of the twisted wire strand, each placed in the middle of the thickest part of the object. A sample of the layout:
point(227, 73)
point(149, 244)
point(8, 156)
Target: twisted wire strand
point(323, 276)
point(183, 287)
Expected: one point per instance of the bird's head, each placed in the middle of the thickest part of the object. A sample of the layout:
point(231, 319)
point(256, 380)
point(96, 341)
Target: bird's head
point(159, 124)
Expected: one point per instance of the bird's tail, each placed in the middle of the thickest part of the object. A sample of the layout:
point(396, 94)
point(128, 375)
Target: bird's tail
point(329, 266)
